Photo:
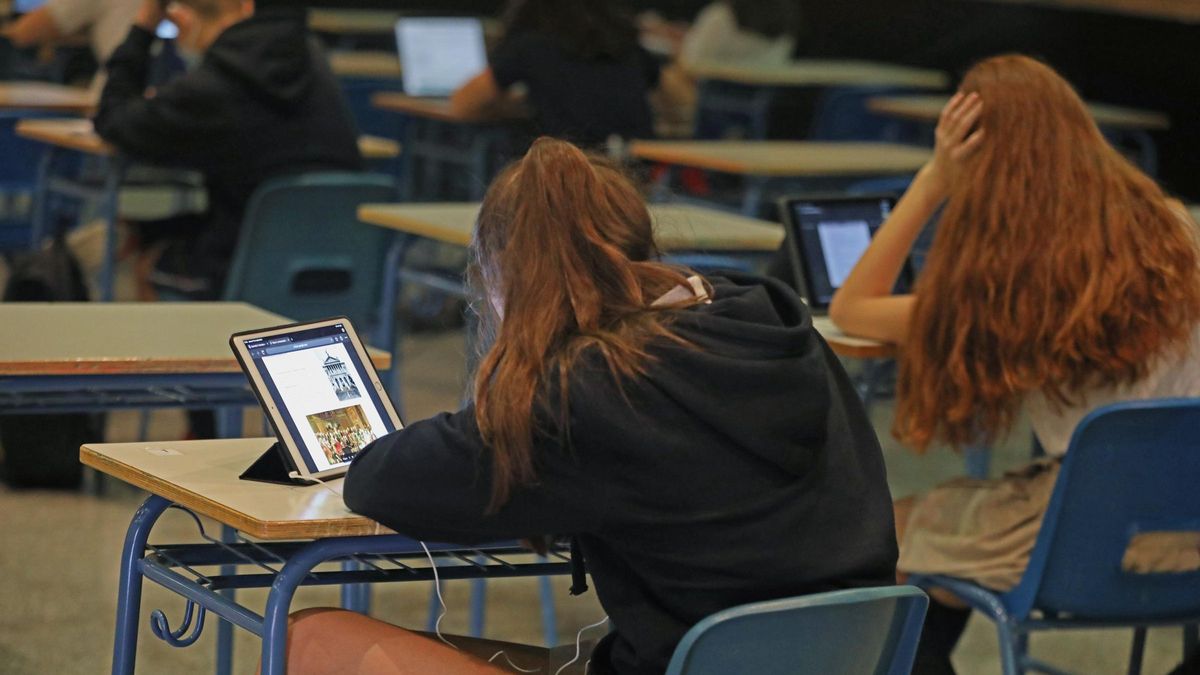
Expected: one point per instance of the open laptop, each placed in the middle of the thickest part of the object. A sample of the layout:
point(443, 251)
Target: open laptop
point(320, 391)
point(439, 54)
point(825, 237)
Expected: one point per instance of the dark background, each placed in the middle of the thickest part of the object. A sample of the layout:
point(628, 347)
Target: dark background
point(1141, 62)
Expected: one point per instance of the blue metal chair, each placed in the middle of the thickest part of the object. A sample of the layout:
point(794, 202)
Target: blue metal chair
point(866, 631)
point(19, 159)
point(1132, 468)
point(304, 254)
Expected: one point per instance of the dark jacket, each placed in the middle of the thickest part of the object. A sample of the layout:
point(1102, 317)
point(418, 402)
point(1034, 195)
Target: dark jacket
point(261, 103)
point(743, 469)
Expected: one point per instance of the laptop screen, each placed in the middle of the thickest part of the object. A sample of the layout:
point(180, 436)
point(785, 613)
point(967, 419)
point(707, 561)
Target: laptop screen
point(319, 386)
point(439, 54)
point(830, 236)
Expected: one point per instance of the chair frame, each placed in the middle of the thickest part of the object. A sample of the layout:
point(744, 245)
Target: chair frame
point(1016, 613)
point(912, 604)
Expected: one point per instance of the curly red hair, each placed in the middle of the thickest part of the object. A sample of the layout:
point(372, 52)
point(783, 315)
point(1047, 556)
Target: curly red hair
point(1058, 266)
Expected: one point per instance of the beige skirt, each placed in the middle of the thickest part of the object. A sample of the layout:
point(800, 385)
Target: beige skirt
point(981, 530)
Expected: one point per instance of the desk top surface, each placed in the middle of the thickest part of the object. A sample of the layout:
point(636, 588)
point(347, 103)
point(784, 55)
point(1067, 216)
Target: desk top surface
point(80, 135)
point(372, 64)
point(1184, 11)
point(352, 22)
point(850, 346)
point(678, 227)
point(927, 109)
point(202, 476)
point(786, 158)
point(438, 109)
point(821, 73)
point(144, 338)
point(77, 134)
point(45, 96)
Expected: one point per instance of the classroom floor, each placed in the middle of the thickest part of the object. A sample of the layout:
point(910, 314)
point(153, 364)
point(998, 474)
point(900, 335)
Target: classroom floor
point(59, 554)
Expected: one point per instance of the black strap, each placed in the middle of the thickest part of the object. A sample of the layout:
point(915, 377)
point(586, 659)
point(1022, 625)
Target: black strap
point(578, 569)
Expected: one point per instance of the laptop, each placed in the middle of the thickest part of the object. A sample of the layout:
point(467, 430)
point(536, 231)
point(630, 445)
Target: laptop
point(439, 54)
point(321, 393)
point(825, 235)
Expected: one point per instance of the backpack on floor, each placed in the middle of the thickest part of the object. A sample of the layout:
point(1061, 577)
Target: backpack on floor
point(42, 451)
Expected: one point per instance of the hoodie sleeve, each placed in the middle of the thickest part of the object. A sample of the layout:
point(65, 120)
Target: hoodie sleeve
point(433, 480)
point(181, 124)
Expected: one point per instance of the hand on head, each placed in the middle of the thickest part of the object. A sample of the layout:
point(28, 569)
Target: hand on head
point(957, 137)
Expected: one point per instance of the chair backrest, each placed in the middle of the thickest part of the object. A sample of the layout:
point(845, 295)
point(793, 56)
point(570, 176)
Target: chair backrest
point(866, 631)
point(842, 115)
point(304, 254)
point(1132, 467)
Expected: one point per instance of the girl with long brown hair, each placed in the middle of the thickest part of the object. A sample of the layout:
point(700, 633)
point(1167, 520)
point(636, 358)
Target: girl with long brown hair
point(1061, 279)
point(695, 437)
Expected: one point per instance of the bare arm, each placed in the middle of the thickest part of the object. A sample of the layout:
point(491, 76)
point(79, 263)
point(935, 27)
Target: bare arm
point(477, 97)
point(865, 305)
point(33, 29)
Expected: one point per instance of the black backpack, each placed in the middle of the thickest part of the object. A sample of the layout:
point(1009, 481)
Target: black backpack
point(42, 451)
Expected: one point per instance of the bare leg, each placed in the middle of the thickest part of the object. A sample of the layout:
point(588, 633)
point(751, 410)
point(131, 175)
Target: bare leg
point(338, 642)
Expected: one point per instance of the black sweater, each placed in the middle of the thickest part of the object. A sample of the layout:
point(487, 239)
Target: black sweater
point(741, 470)
point(261, 103)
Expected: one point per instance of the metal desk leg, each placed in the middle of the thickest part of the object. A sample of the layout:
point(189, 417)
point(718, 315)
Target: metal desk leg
point(112, 195)
point(129, 595)
point(41, 199)
point(549, 615)
point(229, 425)
point(756, 189)
point(225, 628)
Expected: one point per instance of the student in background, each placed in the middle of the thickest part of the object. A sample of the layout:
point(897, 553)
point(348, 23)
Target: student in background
point(584, 74)
point(106, 22)
point(761, 32)
point(261, 103)
point(595, 414)
point(1061, 279)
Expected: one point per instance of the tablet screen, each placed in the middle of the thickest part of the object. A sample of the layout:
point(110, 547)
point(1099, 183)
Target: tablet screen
point(320, 389)
point(832, 235)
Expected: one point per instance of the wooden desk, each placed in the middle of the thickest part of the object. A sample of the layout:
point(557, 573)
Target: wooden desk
point(352, 22)
point(786, 158)
point(143, 338)
point(821, 73)
point(202, 476)
point(689, 228)
point(427, 108)
point(44, 96)
point(81, 136)
point(369, 64)
point(1183, 11)
point(377, 147)
point(850, 346)
point(927, 109)
point(438, 143)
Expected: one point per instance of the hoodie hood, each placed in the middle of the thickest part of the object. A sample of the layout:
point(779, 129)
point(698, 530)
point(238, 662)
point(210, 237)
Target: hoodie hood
point(755, 344)
point(270, 52)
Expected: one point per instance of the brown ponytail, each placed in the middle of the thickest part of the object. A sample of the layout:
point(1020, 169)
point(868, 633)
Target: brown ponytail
point(564, 245)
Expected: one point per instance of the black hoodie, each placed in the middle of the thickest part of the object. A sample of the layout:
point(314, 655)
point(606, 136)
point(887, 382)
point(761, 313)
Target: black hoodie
point(261, 103)
point(740, 470)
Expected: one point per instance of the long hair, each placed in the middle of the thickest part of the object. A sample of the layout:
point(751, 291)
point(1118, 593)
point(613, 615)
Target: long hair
point(589, 29)
point(563, 260)
point(1057, 267)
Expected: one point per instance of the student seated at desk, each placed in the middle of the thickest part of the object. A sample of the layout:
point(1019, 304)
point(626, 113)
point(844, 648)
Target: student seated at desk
point(760, 32)
point(585, 75)
point(1061, 279)
point(106, 22)
point(260, 104)
point(696, 436)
